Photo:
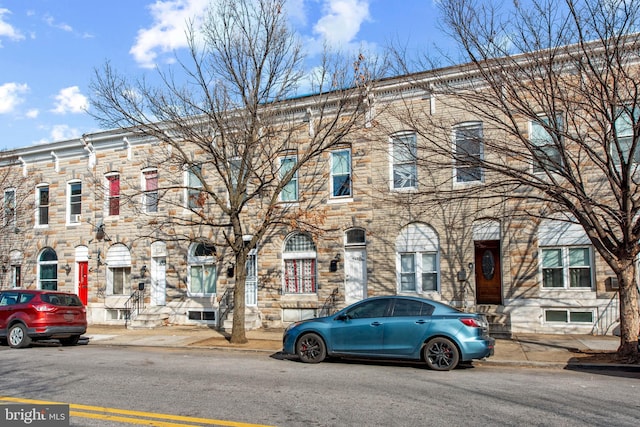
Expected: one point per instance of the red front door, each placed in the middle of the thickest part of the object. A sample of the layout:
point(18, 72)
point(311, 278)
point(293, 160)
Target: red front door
point(83, 281)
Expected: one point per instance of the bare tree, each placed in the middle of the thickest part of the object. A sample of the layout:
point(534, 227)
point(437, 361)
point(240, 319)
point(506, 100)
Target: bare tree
point(570, 69)
point(229, 114)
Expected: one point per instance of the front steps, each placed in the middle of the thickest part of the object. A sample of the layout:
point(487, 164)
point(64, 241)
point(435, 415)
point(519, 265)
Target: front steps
point(252, 319)
point(150, 317)
point(499, 321)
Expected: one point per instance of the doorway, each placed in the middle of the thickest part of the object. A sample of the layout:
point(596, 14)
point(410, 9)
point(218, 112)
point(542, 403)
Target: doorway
point(355, 268)
point(488, 272)
point(83, 281)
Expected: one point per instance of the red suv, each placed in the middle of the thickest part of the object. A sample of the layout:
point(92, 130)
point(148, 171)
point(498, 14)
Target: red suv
point(31, 315)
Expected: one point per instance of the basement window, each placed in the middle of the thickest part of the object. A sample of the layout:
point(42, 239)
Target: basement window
point(568, 316)
point(202, 316)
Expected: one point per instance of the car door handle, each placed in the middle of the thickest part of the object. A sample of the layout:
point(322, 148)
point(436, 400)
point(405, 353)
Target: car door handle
point(421, 322)
point(376, 324)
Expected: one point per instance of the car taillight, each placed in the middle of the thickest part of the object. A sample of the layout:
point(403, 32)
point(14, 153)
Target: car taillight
point(44, 307)
point(471, 322)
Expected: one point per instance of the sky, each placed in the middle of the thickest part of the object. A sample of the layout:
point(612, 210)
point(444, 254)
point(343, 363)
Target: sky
point(50, 49)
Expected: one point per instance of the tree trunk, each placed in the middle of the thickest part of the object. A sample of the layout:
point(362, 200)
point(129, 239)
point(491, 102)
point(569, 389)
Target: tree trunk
point(629, 316)
point(238, 332)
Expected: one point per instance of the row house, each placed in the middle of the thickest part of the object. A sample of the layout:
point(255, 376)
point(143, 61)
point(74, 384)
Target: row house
point(68, 225)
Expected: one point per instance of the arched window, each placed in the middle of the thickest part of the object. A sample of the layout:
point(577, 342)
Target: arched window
point(202, 269)
point(48, 266)
point(299, 264)
point(417, 249)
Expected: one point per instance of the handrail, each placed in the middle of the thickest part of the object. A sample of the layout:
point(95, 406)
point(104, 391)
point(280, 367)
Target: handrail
point(133, 306)
point(329, 306)
point(226, 300)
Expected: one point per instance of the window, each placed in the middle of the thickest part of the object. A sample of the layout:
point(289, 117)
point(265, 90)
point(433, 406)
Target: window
point(568, 316)
point(202, 269)
point(48, 269)
point(75, 202)
point(355, 237)
point(118, 263)
point(545, 152)
point(10, 207)
point(625, 124)
point(195, 195)
point(42, 205)
point(369, 309)
point(407, 307)
point(290, 190)
point(341, 173)
point(468, 152)
point(150, 188)
point(403, 154)
point(566, 267)
point(299, 264)
point(113, 195)
point(417, 249)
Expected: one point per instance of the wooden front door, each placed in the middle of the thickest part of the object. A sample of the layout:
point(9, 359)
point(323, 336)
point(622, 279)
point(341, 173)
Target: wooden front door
point(83, 281)
point(488, 272)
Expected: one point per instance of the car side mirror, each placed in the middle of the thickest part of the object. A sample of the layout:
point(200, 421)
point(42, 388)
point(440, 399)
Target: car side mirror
point(342, 316)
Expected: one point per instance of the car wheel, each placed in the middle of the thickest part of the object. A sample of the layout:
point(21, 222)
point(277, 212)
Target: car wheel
point(18, 337)
point(311, 348)
point(441, 354)
point(72, 340)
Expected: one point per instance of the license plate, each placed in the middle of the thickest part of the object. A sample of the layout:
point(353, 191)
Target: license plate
point(68, 317)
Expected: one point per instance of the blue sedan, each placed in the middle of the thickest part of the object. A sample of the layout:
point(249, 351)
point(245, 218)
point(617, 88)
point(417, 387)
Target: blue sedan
point(393, 327)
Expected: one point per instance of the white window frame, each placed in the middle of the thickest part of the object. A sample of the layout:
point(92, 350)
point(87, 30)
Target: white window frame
point(147, 200)
point(47, 263)
point(567, 268)
point(416, 240)
point(568, 312)
point(294, 182)
point(307, 254)
point(74, 218)
point(192, 188)
point(334, 155)
point(542, 140)
point(418, 272)
point(467, 126)
point(39, 206)
point(407, 178)
point(201, 263)
point(108, 197)
point(625, 120)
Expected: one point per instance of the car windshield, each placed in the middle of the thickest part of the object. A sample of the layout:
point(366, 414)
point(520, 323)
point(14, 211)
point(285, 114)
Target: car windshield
point(61, 299)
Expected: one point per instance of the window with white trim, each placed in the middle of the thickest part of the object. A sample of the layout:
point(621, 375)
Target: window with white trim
point(626, 125)
point(48, 269)
point(150, 188)
point(546, 154)
point(74, 197)
point(202, 269)
point(341, 173)
point(569, 315)
point(404, 161)
point(42, 205)
point(418, 264)
point(118, 263)
point(112, 184)
point(468, 148)
point(299, 264)
point(289, 192)
point(566, 267)
point(10, 213)
point(196, 197)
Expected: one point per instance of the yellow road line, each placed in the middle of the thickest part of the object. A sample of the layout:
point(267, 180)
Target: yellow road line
point(106, 415)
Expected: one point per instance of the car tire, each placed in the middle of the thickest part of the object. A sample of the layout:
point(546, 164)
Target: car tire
point(72, 340)
point(441, 354)
point(311, 348)
point(18, 337)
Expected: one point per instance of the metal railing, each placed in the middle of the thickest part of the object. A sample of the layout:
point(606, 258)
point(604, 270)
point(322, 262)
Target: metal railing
point(226, 301)
point(330, 304)
point(133, 306)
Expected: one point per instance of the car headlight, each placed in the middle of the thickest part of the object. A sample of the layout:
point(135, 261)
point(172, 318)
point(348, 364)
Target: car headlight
point(291, 326)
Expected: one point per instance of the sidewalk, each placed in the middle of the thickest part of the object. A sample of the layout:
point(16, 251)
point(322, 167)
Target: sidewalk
point(531, 350)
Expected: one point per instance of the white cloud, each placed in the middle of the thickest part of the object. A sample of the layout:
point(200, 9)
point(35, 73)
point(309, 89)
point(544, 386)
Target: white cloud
point(64, 132)
point(341, 21)
point(10, 96)
point(70, 100)
point(6, 29)
point(53, 24)
point(167, 31)
point(33, 113)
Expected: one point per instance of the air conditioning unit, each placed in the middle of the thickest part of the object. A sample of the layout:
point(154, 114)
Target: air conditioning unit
point(612, 283)
point(75, 218)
